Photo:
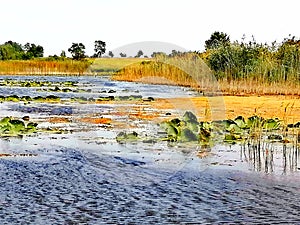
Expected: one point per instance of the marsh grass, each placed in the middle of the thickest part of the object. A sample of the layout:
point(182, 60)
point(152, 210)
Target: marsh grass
point(44, 67)
point(187, 70)
point(261, 150)
point(184, 72)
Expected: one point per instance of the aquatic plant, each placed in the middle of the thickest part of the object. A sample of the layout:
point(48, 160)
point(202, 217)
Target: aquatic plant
point(127, 137)
point(34, 83)
point(14, 127)
point(238, 130)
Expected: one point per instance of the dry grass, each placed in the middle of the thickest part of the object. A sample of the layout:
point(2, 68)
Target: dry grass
point(248, 87)
point(186, 71)
point(42, 67)
point(155, 73)
point(65, 67)
point(283, 107)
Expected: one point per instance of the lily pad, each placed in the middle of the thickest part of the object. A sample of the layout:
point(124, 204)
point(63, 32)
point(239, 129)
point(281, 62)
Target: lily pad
point(271, 124)
point(240, 121)
point(123, 136)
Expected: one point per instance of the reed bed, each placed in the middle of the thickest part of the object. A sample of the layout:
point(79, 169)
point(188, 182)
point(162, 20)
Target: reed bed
point(183, 71)
point(43, 67)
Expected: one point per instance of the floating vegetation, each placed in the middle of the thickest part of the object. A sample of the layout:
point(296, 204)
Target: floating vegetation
point(125, 137)
point(253, 130)
point(15, 98)
point(14, 127)
point(32, 83)
point(56, 99)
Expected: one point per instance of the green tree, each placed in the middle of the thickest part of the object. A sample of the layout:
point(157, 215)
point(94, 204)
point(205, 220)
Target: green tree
point(216, 40)
point(139, 54)
point(175, 53)
point(33, 51)
point(123, 55)
point(100, 48)
point(17, 47)
point(158, 54)
point(7, 52)
point(111, 54)
point(11, 50)
point(63, 54)
point(77, 51)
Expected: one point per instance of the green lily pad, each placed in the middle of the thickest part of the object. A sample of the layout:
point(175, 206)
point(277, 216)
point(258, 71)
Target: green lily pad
point(240, 121)
point(254, 121)
point(234, 128)
point(187, 135)
point(271, 124)
point(12, 98)
point(123, 136)
point(52, 98)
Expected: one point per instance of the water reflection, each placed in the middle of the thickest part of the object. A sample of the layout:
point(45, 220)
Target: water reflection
point(271, 157)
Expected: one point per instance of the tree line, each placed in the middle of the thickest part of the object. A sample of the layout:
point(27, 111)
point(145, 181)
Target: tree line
point(14, 51)
point(261, 62)
point(228, 59)
point(11, 50)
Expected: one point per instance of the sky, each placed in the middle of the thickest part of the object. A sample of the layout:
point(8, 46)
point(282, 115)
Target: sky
point(56, 24)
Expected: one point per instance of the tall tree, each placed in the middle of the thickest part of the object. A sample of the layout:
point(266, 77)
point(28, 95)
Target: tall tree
point(77, 51)
point(7, 52)
point(139, 54)
point(63, 54)
point(123, 55)
point(11, 50)
point(33, 51)
point(216, 40)
point(100, 48)
point(18, 47)
point(111, 54)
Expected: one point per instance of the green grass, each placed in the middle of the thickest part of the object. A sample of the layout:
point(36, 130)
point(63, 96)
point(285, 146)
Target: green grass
point(111, 65)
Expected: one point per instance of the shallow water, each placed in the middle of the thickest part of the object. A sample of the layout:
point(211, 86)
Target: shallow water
point(86, 177)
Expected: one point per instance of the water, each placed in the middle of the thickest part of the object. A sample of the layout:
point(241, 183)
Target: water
point(77, 188)
point(86, 177)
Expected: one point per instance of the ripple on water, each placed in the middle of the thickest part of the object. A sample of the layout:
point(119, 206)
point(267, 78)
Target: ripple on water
point(77, 188)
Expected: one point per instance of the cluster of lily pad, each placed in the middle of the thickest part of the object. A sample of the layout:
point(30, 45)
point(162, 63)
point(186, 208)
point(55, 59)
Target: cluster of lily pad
point(32, 83)
point(66, 90)
point(16, 127)
point(189, 129)
point(113, 98)
point(15, 98)
point(55, 99)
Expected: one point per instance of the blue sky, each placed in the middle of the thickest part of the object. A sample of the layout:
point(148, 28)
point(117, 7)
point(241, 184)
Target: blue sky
point(56, 24)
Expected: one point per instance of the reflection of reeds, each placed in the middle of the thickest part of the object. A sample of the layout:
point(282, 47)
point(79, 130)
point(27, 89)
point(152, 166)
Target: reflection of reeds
point(263, 158)
point(260, 152)
point(260, 149)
